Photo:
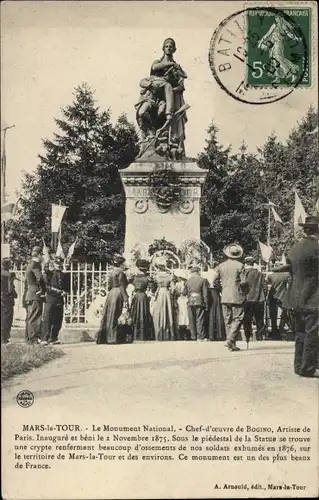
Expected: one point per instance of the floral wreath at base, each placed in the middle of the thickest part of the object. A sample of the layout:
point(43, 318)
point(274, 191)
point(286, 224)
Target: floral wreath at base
point(165, 186)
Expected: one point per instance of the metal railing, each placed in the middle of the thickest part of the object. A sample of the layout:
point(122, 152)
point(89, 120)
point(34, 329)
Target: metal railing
point(86, 297)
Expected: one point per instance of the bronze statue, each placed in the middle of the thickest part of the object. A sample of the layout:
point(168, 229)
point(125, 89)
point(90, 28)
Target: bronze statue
point(161, 110)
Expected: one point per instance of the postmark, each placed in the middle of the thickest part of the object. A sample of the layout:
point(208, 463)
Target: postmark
point(238, 53)
point(25, 398)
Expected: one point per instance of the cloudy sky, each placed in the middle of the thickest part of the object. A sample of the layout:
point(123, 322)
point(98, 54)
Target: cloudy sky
point(50, 47)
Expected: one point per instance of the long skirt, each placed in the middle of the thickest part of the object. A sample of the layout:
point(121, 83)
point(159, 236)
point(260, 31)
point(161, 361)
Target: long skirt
point(141, 317)
point(163, 316)
point(216, 324)
point(182, 312)
point(108, 332)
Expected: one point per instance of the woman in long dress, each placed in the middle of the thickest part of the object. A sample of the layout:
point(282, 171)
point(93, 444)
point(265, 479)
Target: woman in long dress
point(116, 298)
point(216, 324)
point(141, 316)
point(163, 315)
point(181, 305)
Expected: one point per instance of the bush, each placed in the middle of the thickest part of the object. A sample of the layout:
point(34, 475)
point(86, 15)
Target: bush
point(21, 358)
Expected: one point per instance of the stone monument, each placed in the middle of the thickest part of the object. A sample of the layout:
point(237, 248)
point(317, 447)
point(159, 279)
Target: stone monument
point(161, 117)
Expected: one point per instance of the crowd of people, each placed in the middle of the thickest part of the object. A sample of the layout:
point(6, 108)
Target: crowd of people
point(218, 304)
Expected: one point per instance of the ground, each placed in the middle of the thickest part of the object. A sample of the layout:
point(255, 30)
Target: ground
point(164, 383)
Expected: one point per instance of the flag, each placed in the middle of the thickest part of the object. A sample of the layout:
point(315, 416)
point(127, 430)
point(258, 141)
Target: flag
point(278, 222)
point(5, 251)
point(71, 251)
point(46, 253)
point(56, 219)
point(266, 252)
point(59, 251)
point(10, 210)
point(283, 259)
point(57, 215)
point(7, 211)
point(299, 213)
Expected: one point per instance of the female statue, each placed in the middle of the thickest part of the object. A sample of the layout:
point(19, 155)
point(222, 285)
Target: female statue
point(160, 111)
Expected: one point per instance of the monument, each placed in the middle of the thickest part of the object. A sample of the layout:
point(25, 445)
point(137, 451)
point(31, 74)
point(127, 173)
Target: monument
point(162, 187)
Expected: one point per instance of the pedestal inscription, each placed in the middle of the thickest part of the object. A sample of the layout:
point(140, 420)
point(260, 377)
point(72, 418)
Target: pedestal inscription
point(146, 221)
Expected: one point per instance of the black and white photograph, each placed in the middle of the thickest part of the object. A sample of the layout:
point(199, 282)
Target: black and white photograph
point(159, 249)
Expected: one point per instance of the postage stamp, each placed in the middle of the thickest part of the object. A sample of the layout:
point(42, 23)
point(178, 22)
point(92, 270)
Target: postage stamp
point(279, 53)
point(260, 55)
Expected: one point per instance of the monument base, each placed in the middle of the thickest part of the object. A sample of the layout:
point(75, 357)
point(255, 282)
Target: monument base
point(146, 221)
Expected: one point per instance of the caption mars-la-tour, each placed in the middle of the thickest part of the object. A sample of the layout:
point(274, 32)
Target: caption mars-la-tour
point(157, 428)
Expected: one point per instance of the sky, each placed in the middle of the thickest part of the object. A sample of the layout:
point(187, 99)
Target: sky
point(48, 48)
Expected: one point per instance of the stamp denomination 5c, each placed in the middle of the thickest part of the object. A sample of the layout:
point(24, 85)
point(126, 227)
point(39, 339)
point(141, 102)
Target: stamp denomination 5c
point(280, 56)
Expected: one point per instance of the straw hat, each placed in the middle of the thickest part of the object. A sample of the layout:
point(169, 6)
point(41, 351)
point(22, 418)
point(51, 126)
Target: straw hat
point(233, 251)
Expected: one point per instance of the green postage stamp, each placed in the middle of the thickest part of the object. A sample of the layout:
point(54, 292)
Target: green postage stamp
point(278, 47)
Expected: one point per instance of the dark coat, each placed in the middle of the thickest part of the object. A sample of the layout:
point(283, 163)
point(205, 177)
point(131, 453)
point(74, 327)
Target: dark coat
point(34, 282)
point(56, 282)
point(8, 291)
point(278, 285)
point(255, 285)
point(197, 291)
point(303, 261)
point(117, 279)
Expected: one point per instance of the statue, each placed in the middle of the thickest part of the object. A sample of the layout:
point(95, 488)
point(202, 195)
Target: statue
point(161, 110)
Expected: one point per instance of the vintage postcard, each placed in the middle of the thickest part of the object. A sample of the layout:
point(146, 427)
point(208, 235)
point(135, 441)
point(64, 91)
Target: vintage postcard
point(159, 273)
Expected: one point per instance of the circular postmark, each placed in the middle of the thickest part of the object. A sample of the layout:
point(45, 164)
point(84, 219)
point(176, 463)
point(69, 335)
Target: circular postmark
point(25, 398)
point(259, 55)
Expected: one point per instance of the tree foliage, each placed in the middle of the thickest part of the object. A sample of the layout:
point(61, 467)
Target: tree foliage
point(78, 169)
point(239, 185)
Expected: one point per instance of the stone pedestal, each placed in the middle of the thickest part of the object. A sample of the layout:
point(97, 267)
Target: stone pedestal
point(145, 221)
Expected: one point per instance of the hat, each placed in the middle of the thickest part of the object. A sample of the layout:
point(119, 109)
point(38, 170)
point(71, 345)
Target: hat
point(194, 269)
point(180, 273)
point(233, 251)
point(142, 264)
point(118, 260)
point(310, 221)
point(249, 259)
point(36, 251)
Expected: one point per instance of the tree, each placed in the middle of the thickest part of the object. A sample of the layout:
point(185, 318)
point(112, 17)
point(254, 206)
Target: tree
point(79, 169)
point(238, 187)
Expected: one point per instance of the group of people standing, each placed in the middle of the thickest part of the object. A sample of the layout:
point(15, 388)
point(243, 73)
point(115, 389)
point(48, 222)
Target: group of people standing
point(44, 290)
point(223, 303)
point(169, 306)
point(186, 304)
point(219, 304)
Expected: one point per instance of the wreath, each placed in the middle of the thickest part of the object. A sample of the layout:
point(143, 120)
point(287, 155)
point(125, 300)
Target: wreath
point(165, 186)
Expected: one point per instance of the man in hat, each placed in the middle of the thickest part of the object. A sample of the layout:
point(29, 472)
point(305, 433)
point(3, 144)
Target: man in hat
point(255, 300)
point(197, 304)
point(303, 296)
point(57, 285)
point(34, 296)
point(8, 294)
point(231, 275)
